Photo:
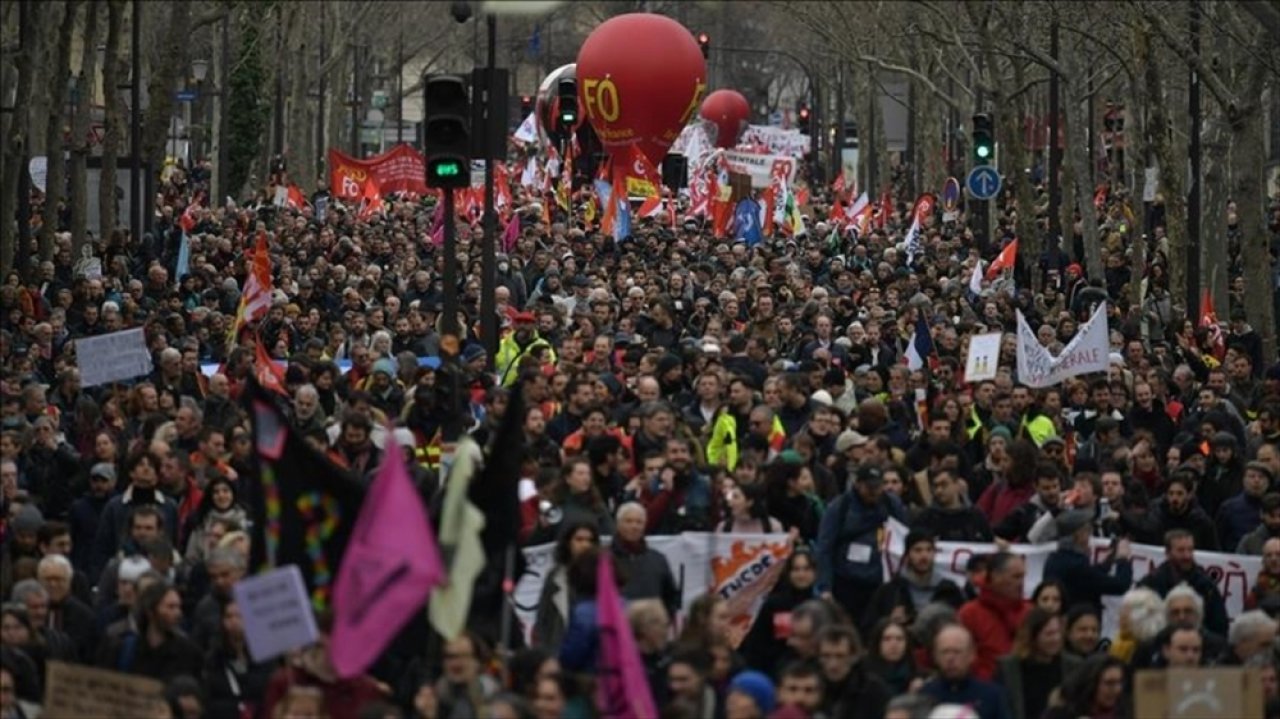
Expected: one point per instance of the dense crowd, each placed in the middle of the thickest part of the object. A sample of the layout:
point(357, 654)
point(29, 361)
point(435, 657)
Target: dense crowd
point(672, 381)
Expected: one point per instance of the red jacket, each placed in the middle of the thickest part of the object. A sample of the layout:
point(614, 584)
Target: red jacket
point(1000, 499)
point(993, 620)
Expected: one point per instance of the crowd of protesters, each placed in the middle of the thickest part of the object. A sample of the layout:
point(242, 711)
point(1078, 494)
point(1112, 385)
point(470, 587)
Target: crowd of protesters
point(673, 381)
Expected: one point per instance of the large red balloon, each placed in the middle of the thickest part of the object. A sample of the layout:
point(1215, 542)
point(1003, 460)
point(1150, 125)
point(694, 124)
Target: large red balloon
point(640, 80)
point(728, 112)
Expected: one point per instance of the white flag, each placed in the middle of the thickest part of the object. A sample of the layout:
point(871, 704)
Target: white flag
point(1087, 352)
point(528, 130)
point(975, 280)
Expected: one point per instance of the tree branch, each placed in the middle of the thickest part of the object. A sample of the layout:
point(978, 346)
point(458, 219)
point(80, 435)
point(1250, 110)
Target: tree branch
point(919, 76)
point(1212, 80)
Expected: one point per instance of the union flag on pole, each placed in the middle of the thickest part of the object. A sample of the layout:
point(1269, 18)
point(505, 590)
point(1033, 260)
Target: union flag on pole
point(255, 299)
point(370, 200)
point(1209, 321)
point(1006, 260)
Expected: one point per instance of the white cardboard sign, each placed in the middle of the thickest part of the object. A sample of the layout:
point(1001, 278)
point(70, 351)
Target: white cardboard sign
point(277, 614)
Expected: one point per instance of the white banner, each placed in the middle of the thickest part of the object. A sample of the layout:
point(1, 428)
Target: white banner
point(1087, 352)
point(1235, 573)
point(760, 167)
point(694, 144)
point(741, 568)
point(113, 357)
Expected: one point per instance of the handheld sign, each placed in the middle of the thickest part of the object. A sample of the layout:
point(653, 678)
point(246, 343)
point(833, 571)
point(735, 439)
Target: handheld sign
point(983, 358)
point(277, 614)
point(72, 690)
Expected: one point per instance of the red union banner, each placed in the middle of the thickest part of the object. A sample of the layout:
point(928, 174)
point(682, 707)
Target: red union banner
point(400, 169)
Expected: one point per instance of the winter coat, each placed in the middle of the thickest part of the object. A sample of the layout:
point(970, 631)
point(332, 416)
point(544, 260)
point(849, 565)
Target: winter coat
point(849, 539)
point(1237, 517)
point(648, 574)
point(987, 700)
point(1167, 576)
point(196, 550)
point(993, 621)
point(1001, 498)
point(1151, 527)
point(1083, 581)
point(963, 524)
point(1253, 542)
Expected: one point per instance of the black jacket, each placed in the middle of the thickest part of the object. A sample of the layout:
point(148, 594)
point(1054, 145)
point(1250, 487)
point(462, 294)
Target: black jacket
point(964, 524)
point(1085, 582)
point(861, 694)
point(648, 575)
point(1167, 576)
point(1151, 527)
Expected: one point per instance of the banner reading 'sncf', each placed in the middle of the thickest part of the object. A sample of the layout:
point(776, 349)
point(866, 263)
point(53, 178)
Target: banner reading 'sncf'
point(400, 169)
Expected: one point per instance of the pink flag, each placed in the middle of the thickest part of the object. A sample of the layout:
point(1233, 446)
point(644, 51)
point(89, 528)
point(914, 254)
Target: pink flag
point(437, 236)
point(388, 570)
point(623, 685)
point(510, 234)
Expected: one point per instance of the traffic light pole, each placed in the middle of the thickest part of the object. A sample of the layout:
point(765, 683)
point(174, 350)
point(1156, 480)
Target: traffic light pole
point(488, 255)
point(449, 323)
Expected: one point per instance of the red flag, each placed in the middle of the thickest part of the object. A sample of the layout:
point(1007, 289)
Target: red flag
point(1209, 321)
point(1007, 258)
point(266, 371)
point(295, 199)
point(886, 209)
point(510, 234)
point(370, 200)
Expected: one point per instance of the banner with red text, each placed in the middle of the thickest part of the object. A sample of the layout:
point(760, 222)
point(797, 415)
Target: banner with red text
point(1234, 573)
point(400, 169)
point(741, 568)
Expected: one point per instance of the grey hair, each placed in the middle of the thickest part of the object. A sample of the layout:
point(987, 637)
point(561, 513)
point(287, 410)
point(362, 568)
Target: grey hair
point(1145, 611)
point(227, 556)
point(28, 588)
point(194, 406)
point(1250, 624)
point(917, 706)
point(629, 507)
point(1184, 591)
point(308, 390)
point(818, 612)
point(56, 560)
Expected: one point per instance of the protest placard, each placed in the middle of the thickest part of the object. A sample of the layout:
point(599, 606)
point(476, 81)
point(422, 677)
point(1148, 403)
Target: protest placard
point(277, 615)
point(113, 357)
point(73, 691)
point(984, 357)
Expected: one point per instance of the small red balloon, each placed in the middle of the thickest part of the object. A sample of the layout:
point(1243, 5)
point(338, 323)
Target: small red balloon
point(728, 112)
point(641, 78)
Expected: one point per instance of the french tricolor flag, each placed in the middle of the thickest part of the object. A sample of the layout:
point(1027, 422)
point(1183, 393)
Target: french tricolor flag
point(921, 346)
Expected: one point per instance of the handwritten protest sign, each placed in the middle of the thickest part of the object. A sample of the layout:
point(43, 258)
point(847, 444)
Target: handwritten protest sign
point(73, 691)
point(277, 614)
point(113, 357)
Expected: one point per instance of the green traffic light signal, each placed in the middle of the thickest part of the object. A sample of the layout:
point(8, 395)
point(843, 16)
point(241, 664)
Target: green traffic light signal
point(983, 151)
point(448, 169)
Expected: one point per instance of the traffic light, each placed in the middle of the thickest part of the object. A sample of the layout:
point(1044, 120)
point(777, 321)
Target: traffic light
point(704, 42)
point(983, 139)
point(526, 106)
point(567, 91)
point(803, 116)
point(447, 131)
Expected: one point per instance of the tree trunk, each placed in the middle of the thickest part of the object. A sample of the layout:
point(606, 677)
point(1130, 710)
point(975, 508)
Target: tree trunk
point(1172, 171)
point(80, 132)
point(1078, 156)
point(1014, 161)
point(218, 98)
point(112, 122)
point(1247, 191)
point(57, 91)
point(18, 141)
point(168, 67)
point(1215, 144)
point(300, 127)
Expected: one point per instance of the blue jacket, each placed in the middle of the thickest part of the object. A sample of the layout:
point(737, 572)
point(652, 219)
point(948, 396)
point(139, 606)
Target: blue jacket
point(985, 698)
point(1236, 518)
point(581, 641)
point(1084, 581)
point(847, 523)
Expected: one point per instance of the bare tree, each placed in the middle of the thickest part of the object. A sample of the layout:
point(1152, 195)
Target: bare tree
point(112, 122)
point(80, 140)
point(18, 140)
point(57, 91)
